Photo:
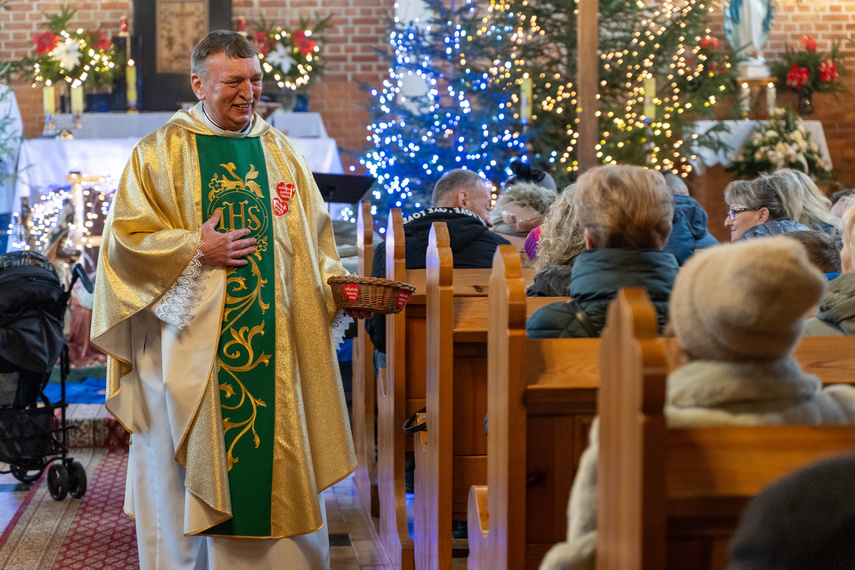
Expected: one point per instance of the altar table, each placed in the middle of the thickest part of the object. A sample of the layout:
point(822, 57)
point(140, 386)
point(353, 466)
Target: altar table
point(138, 125)
point(45, 162)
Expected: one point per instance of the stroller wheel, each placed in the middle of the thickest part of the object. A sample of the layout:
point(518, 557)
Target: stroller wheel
point(57, 481)
point(77, 480)
point(26, 474)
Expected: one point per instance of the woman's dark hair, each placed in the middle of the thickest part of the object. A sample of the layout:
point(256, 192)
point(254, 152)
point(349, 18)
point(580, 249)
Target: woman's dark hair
point(524, 172)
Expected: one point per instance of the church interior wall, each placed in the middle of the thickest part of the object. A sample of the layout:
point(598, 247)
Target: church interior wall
point(359, 28)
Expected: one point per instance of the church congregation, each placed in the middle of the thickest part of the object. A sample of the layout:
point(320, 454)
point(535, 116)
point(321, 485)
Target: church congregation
point(427, 285)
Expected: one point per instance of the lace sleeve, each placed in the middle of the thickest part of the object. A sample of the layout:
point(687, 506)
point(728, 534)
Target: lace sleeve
point(339, 327)
point(178, 304)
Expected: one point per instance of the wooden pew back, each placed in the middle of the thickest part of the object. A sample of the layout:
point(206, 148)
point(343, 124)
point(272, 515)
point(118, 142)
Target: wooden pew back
point(401, 390)
point(451, 453)
point(670, 498)
point(364, 390)
point(541, 400)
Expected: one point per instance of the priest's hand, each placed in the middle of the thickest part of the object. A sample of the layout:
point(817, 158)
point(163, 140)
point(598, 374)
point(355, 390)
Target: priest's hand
point(358, 313)
point(219, 249)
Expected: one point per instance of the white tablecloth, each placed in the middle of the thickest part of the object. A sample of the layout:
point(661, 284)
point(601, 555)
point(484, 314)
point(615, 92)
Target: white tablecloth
point(43, 162)
point(741, 131)
point(138, 125)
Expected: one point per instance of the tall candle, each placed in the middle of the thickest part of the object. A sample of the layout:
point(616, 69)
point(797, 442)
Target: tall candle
point(131, 78)
point(771, 97)
point(745, 98)
point(649, 97)
point(77, 100)
point(525, 100)
point(49, 100)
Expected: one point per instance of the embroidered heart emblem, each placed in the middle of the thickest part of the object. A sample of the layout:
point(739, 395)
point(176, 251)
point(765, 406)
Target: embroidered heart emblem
point(286, 191)
point(403, 296)
point(280, 208)
point(351, 291)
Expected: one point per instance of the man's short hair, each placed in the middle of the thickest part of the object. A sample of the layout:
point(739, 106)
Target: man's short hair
point(455, 181)
point(821, 249)
point(625, 206)
point(233, 44)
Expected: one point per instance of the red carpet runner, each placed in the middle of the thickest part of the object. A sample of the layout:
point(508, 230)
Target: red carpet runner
point(92, 532)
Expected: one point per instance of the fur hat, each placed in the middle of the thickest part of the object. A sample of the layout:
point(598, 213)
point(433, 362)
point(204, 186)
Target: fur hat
point(744, 301)
point(522, 208)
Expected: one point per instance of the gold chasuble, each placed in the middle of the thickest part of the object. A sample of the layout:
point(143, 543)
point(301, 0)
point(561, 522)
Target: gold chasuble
point(257, 413)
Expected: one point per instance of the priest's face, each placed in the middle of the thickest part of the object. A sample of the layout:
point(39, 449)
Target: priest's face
point(229, 89)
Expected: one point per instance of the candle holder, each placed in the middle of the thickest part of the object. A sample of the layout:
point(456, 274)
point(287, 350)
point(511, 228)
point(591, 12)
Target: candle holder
point(50, 123)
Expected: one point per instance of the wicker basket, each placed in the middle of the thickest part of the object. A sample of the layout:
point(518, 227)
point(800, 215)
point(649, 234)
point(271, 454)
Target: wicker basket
point(370, 293)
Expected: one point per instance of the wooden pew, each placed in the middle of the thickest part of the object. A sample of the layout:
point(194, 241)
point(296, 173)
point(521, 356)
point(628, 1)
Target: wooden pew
point(451, 454)
point(401, 389)
point(364, 390)
point(541, 400)
point(671, 498)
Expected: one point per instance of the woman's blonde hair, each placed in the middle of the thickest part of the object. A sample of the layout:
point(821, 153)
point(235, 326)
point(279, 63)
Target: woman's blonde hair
point(815, 210)
point(625, 206)
point(561, 236)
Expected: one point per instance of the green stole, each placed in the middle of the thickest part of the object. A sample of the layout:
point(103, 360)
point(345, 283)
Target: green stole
point(234, 177)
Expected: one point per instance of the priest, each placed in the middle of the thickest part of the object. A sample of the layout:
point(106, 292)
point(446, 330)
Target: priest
point(213, 305)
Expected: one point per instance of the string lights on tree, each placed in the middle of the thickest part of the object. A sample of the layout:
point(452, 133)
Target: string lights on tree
point(463, 117)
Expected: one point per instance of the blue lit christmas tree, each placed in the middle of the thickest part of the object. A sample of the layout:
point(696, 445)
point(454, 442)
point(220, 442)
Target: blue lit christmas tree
point(474, 59)
point(466, 117)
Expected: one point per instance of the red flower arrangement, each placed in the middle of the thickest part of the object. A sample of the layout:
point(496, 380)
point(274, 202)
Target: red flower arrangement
point(809, 71)
point(292, 59)
point(76, 56)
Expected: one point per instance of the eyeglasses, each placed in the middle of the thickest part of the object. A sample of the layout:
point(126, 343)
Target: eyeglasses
point(733, 211)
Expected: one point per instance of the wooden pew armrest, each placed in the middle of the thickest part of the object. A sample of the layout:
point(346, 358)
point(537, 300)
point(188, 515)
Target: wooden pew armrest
point(479, 515)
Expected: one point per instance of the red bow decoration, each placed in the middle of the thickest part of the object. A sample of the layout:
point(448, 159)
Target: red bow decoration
point(305, 44)
point(45, 42)
point(797, 76)
point(827, 71)
point(809, 43)
point(710, 43)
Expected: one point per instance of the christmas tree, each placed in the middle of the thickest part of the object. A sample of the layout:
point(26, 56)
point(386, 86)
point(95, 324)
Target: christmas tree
point(664, 47)
point(659, 67)
point(465, 117)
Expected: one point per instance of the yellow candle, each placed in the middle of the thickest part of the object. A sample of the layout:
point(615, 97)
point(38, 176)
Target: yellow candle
point(131, 79)
point(771, 97)
point(525, 100)
point(649, 96)
point(49, 101)
point(77, 100)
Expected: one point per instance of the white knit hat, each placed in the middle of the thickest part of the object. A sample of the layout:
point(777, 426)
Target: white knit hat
point(744, 301)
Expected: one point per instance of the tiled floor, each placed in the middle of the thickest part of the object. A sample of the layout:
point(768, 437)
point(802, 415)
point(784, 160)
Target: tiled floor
point(353, 540)
point(354, 544)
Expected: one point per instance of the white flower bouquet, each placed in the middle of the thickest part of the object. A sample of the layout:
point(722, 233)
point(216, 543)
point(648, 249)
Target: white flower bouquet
point(781, 142)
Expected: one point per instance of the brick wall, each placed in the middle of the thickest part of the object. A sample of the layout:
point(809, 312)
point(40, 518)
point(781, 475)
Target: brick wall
point(825, 21)
point(359, 28)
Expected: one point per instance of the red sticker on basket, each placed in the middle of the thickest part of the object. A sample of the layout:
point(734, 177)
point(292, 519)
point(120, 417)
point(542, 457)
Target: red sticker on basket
point(403, 296)
point(351, 291)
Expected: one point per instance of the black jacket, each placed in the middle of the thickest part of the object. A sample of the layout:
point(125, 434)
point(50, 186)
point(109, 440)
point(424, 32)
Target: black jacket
point(472, 245)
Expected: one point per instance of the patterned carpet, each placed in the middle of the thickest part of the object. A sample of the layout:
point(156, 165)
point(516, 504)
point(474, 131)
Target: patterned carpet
point(87, 533)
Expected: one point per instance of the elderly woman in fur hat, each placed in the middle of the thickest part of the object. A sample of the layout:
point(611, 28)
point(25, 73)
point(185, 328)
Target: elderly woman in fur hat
point(737, 312)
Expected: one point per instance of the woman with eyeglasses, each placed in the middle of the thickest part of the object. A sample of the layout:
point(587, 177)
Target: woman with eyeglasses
point(759, 209)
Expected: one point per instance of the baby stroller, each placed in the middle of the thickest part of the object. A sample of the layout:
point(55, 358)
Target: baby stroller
point(32, 310)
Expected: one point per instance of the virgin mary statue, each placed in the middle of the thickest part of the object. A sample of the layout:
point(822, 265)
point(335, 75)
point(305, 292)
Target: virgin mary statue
point(746, 25)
